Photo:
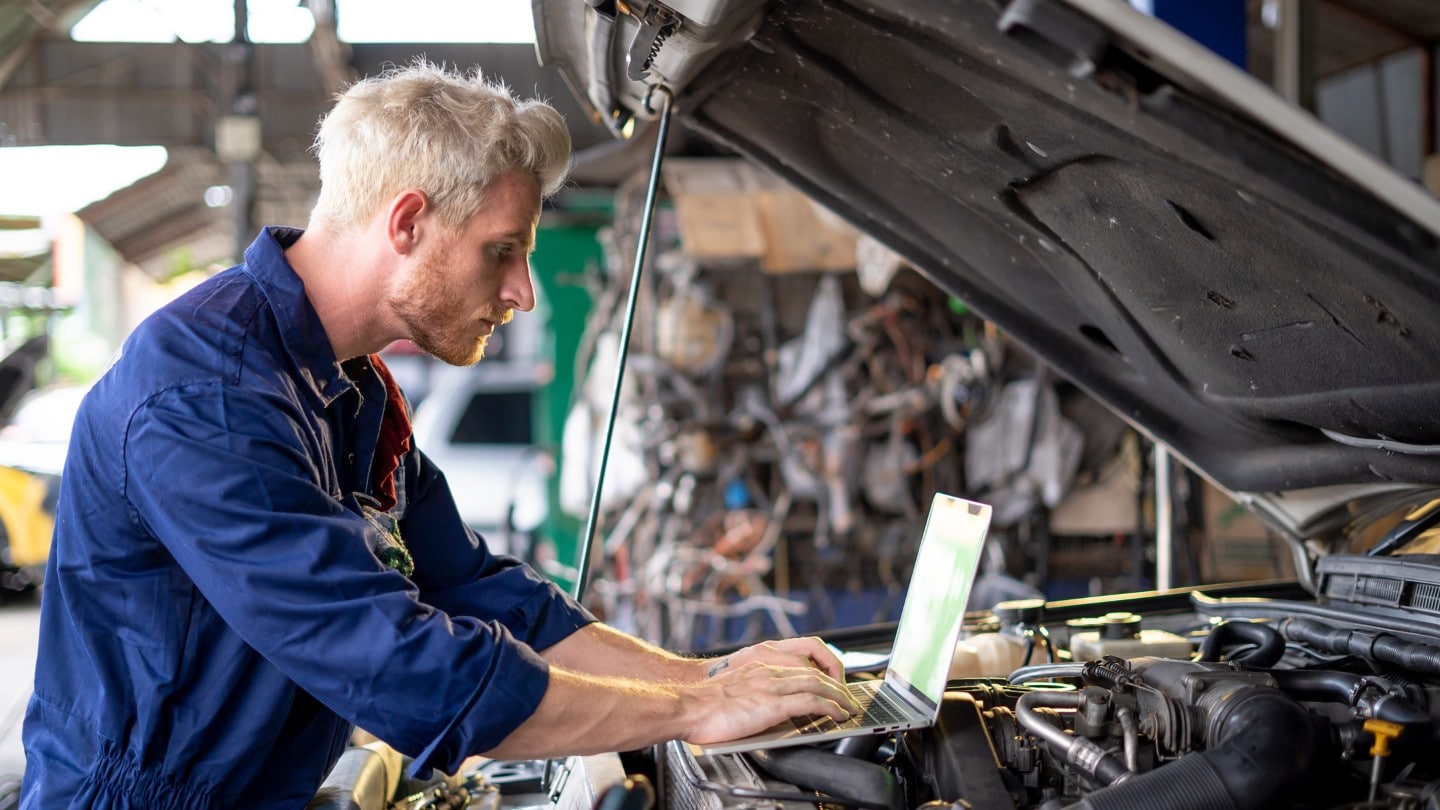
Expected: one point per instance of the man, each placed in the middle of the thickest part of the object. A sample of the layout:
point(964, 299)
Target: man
point(248, 559)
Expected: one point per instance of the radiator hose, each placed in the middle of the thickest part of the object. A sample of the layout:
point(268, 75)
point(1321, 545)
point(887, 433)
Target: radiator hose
point(1267, 644)
point(1369, 697)
point(1378, 646)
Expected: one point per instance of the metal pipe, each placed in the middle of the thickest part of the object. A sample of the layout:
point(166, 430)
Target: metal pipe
point(582, 576)
point(1294, 69)
point(1428, 99)
point(1092, 761)
point(244, 104)
point(1131, 729)
point(1164, 520)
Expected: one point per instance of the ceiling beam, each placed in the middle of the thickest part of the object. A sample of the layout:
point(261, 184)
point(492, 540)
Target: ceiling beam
point(1368, 16)
point(171, 93)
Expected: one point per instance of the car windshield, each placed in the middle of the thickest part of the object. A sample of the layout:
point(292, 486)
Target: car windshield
point(495, 417)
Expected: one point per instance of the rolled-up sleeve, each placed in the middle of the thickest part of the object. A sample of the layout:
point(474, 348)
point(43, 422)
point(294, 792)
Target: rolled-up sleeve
point(291, 571)
point(457, 573)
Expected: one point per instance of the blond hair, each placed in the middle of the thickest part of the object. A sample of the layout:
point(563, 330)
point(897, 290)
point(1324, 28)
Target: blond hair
point(426, 127)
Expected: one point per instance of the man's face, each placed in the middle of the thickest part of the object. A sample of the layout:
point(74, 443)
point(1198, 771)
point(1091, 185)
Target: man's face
point(465, 283)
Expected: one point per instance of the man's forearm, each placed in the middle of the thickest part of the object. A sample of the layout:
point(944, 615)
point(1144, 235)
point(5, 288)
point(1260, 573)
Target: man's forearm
point(584, 712)
point(597, 649)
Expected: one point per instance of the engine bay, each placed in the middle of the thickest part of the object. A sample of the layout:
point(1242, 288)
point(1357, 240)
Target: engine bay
point(1254, 695)
point(1284, 703)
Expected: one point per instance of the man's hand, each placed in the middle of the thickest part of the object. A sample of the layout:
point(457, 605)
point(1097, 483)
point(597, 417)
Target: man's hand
point(743, 694)
point(609, 691)
point(790, 652)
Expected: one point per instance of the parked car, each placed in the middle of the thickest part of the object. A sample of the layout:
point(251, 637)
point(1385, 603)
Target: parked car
point(478, 426)
point(1222, 271)
point(32, 454)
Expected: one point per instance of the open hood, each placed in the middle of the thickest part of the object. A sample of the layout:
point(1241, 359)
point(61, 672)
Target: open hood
point(1223, 271)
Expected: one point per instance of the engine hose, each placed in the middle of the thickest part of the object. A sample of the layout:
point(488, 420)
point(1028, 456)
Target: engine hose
point(1046, 672)
point(1367, 695)
point(862, 747)
point(1269, 644)
point(1095, 763)
point(849, 781)
point(1262, 741)
point(1410, 655)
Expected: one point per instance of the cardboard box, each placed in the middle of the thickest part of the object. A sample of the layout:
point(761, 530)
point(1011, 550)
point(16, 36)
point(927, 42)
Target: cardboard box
point(1237, 546)
point(728, 209)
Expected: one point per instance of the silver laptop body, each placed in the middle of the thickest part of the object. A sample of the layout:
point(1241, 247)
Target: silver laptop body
point(930, 621)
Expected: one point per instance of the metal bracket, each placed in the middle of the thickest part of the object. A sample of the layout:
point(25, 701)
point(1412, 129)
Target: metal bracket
point(1059, 34)
point(656, 26)
point(605, 8)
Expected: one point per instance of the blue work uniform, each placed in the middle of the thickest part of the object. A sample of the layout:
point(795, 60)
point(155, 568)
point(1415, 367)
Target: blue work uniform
point(216, 614)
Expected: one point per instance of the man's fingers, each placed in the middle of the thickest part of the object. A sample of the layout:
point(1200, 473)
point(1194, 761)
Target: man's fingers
point(804, 651)
point(846, 702)
point(808, 680)
point(812, 705)
point(754, 696)
point(822, 656)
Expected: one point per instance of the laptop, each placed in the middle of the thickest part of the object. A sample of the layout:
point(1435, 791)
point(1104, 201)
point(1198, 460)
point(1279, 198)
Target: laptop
point(909, 695)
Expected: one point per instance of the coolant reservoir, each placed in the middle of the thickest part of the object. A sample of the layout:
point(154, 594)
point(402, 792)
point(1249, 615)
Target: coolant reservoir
point(996, 655)
point(1121, 635)
point(988, 655)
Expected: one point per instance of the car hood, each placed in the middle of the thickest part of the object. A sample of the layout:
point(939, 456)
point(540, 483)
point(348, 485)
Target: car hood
point(1223, 271)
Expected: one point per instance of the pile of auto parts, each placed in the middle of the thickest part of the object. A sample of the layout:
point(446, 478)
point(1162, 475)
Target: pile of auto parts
point(778, 427)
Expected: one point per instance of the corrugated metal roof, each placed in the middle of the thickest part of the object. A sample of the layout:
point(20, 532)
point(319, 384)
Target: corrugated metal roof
point(20, 269)
point(161, 224)
point(23, 20)
point(22, 263)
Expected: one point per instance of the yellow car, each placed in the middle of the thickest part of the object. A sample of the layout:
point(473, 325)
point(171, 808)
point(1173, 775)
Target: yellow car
point(27, 516)
point(32, 454)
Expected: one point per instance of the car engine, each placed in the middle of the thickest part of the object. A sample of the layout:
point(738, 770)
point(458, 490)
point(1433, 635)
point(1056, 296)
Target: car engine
point(1284, 703)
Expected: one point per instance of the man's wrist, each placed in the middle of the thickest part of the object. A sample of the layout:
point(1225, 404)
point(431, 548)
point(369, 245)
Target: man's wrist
point(697, 670)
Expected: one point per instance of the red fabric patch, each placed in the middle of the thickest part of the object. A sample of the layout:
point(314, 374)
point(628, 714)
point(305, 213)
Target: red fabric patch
point(394, 439)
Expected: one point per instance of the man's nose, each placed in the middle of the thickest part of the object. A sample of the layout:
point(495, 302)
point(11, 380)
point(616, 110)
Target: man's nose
point(519, 290)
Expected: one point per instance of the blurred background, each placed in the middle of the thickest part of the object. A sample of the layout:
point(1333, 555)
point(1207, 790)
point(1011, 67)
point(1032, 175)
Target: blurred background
point(777, 353)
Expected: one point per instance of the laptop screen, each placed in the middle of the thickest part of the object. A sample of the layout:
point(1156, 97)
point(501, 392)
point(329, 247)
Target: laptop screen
point(944, 572)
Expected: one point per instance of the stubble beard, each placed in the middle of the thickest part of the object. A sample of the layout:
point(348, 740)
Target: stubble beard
point(437, 320)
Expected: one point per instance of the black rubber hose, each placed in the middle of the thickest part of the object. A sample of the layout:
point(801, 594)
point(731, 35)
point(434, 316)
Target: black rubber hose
point(832, 774)
point(1410, 655)
point(862, 747)
point(1348, 688)
point(1262, 741)
point(1269, 644)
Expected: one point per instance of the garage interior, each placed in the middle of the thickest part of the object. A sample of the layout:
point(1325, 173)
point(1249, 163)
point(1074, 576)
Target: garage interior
point(806, 544)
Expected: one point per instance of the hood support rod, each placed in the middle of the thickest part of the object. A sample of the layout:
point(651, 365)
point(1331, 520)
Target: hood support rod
point(647, 216)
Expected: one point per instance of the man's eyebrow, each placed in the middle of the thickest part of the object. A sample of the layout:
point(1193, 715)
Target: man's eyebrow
point(524, 237)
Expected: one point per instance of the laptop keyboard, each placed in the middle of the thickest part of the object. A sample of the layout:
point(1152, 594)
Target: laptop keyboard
point(876, 709)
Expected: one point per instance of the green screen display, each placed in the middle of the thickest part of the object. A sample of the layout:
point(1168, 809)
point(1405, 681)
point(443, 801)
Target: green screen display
point(939, 588)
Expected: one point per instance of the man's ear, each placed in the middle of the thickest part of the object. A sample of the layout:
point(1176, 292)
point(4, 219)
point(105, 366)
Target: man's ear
point(407, 215)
